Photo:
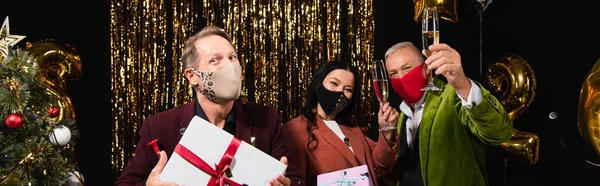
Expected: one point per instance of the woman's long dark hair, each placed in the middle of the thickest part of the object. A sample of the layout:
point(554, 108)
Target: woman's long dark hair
point(344, 117)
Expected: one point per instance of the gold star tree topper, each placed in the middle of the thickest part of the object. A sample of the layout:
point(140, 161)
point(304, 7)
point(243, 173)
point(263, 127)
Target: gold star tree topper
point(6, 39)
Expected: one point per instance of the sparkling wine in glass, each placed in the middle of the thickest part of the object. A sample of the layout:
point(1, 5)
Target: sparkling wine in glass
point(380, 84)
point(431, 35)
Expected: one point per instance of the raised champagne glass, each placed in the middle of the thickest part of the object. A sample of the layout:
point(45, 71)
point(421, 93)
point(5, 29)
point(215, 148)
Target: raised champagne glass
point(380, 84)
point(431, 35)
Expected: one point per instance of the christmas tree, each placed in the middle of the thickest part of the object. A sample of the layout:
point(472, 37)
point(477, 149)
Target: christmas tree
point(36, 148)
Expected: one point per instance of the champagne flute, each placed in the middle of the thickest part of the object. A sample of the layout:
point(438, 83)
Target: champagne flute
point(380, 84)
point(431, 35)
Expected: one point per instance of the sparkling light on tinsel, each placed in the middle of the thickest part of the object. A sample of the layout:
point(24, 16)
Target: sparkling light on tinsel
point(146, 75)
point(280, 42)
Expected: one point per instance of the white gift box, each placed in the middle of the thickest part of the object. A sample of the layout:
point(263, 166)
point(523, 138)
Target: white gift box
point(249, 166)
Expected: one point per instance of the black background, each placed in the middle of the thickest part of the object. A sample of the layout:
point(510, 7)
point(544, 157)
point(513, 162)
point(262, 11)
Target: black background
point(559, 39)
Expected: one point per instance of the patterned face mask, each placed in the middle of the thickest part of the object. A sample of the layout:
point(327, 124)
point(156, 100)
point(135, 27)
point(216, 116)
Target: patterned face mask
point(220, 86)
point(331, 102)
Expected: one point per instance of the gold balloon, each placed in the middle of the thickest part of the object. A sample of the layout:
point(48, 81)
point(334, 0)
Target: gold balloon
point(589, 108)
point(58, 63)
point(522, 146)
point(512, 81)
point(446, 9)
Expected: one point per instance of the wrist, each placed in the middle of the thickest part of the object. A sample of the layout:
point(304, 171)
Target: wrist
point(389, 138)
point(463, 85)
point(388, 135)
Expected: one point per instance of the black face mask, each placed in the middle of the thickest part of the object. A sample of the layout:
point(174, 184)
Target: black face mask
point(331, 102)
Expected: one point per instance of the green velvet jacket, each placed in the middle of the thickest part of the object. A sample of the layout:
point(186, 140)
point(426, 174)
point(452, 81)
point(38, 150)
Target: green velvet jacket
point(453, 139)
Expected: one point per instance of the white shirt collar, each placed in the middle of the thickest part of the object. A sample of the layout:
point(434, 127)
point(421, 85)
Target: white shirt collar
point(406, 108)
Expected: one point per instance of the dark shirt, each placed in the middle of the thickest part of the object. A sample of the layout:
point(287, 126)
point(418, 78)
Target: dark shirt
point(229, 121)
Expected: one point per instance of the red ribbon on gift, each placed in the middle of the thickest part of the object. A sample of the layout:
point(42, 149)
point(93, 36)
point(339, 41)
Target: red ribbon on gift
point(217, 173)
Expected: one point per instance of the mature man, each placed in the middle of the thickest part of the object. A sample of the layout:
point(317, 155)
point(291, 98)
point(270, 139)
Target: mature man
point(443, 133)
point(213, 68)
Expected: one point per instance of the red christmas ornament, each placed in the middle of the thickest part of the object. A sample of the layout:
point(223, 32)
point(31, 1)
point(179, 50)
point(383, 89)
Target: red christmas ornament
point(53, 111)
point(13, 121)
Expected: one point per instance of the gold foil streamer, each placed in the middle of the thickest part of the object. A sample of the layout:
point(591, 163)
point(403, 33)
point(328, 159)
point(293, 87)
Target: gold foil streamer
point(281, 42)
point(143, 79)
point(361, 30)
point(185, 18)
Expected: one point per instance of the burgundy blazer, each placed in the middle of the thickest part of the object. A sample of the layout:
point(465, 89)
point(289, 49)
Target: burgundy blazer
point(332, 154)
point(252, 120)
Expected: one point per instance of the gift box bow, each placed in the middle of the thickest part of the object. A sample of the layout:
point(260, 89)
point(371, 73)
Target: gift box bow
point(216, 174)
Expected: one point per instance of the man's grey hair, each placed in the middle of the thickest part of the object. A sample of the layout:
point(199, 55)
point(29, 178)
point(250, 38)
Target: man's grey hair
point(189, 54)
point(401, 45)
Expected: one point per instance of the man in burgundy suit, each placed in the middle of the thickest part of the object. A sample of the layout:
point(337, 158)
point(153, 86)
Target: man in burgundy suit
point(212, 67)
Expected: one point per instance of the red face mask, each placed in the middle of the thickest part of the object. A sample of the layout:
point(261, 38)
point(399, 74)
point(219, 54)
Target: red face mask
point(410, 85)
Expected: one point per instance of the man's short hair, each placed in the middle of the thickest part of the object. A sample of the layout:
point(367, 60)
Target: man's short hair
point(189, 54)
point(401, 45)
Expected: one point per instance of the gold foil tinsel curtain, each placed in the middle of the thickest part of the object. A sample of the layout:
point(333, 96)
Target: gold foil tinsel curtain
point(280, 42)
point(146, 75)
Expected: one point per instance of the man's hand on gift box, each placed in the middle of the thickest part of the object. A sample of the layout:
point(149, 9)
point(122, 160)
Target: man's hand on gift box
point(281, 179)
point(155, 174)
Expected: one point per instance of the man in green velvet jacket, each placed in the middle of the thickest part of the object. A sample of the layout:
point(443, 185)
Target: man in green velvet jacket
point(443, 133)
